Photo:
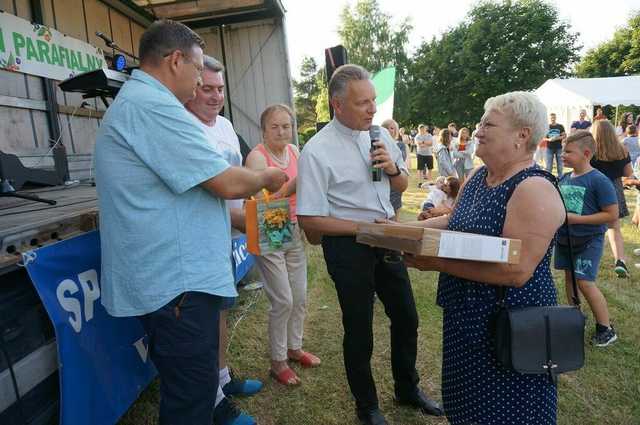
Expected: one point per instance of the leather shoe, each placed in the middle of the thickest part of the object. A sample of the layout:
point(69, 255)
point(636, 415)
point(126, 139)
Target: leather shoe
point(372, 417)
point(420, 401)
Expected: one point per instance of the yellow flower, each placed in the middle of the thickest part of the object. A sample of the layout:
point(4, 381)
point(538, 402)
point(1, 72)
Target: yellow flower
point(276, 217)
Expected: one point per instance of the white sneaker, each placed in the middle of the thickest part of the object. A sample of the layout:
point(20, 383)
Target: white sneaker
point(636, 252)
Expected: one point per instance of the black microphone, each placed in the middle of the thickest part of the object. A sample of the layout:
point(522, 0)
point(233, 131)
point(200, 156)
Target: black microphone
point(374, 135)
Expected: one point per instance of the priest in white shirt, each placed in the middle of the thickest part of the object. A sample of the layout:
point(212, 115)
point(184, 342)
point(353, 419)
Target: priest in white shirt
point(335, 190)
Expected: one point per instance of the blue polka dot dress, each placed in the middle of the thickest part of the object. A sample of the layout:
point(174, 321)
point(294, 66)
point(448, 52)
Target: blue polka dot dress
point(475, 388)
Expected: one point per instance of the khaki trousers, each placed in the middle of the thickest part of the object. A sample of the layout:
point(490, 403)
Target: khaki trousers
point(285, 274)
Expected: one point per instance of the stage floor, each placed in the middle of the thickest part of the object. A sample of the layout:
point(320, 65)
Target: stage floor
point(26, 225)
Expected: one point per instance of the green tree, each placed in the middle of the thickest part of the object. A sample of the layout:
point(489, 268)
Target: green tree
point(306, 91)
point(616, 57)
point(501, 46)
point(371, 41)
point(322, 101)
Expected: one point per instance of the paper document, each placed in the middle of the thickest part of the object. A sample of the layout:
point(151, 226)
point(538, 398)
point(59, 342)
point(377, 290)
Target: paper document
point(473, 247)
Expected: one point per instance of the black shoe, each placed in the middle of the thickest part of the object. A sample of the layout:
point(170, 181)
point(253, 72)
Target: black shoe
point(621, 269)
point(420, 401)
point(604, 338)
point(372, 417)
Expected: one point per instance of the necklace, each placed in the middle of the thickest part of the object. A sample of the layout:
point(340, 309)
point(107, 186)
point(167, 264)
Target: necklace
point(282, 160)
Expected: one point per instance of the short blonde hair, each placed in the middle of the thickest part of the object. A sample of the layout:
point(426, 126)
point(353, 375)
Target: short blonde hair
point(387, 123)
point(584, 139)
point(525, 110)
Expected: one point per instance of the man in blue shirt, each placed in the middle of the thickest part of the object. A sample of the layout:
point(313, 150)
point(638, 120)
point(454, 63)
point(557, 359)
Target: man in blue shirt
point(165, 231)
point(582, 124)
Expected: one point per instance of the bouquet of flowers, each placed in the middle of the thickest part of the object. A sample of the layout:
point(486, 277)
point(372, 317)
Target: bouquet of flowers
point(269, 226)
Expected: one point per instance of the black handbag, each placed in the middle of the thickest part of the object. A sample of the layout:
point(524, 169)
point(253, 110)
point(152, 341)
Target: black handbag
point(578, 243)
point(542, 340)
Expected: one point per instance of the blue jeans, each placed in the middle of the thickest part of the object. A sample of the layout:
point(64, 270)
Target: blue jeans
point(183, 344)
point(549, 154)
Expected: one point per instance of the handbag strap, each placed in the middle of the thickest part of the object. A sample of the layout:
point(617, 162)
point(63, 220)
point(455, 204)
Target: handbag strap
point(502, 290)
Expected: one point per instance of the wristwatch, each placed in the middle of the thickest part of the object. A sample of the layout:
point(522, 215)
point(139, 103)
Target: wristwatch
point(396, 174)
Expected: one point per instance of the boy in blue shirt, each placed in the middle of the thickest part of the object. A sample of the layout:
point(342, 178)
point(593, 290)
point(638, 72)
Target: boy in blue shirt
point(591, 203)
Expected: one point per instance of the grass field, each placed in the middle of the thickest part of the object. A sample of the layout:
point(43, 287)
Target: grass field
point(605, 391)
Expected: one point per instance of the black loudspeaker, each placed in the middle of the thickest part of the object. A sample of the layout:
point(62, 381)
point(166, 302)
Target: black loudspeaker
point(26, 335)
point(333, 58)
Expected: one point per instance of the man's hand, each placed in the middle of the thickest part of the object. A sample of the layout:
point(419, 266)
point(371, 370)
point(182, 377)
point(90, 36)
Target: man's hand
point(381, 155)
point(274, 178)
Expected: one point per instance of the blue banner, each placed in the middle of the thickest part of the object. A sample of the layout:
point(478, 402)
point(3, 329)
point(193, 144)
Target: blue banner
point(102, 359)
point(242, 260)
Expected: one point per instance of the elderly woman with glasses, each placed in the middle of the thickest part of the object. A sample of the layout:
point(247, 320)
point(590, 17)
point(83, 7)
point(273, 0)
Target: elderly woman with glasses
point(510, 197)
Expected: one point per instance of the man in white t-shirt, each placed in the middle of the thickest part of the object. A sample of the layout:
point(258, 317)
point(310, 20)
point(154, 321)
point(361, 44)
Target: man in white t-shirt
point(206, 106)
point(424, 153)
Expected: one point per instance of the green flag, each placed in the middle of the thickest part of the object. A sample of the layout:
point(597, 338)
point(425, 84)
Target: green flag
point(384, 82)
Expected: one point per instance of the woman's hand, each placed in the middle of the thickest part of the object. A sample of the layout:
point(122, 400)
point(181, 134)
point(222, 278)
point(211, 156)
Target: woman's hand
point(420, 262)
point(424, 215)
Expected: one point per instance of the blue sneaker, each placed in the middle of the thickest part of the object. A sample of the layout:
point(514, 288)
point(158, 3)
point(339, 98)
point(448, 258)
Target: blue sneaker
point(241, 387)
point(227, 413)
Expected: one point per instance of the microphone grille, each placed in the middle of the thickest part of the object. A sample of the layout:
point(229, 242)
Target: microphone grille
point(374, 132)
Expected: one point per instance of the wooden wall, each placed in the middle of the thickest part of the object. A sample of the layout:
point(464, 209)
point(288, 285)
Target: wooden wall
point(23, 130)
point(257, 71)
point(26, 131)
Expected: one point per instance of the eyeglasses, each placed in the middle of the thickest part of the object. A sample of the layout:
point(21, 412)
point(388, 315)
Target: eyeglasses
point(199, 68)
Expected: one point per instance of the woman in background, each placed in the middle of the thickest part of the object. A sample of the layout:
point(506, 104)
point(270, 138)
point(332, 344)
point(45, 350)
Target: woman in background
point(443, 154)
point(463, 152)
point(612, 159)
point(630, 142)
point(392, 127)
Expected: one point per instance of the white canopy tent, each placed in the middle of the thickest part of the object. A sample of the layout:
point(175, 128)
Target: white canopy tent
point(566, 97)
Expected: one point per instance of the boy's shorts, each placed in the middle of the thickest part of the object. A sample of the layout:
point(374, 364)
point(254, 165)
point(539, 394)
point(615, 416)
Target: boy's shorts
point(586, 262)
